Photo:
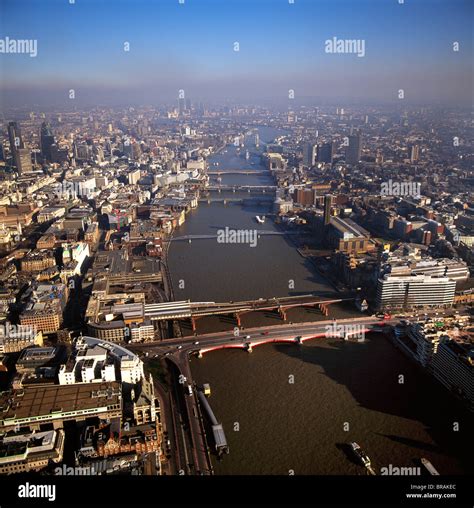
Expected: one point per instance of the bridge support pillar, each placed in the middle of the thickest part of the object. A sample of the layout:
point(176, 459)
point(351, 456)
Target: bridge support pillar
point(237, 318)
point(323, 308)
point(199, 354)
point(249, 347)
point(193, 324)
point(282, 313)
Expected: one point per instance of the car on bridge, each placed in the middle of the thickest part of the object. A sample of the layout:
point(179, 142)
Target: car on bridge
point(179, 347)
point(196, 342)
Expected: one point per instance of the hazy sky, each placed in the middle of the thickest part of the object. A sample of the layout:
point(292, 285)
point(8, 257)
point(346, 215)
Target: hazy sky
point(190, 46)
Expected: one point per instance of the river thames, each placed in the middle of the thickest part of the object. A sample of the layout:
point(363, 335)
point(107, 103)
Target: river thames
point(292, 409)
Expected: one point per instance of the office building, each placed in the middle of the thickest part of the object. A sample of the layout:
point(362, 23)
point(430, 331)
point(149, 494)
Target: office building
point(446, 352)
point(38, 260)
point(44, 311)
point(23, 160)
point(14, 136)
point(46, 141)
point(133, 177)
point(414, 153)
point(37, 405)
point(353, 149)
point(22, 337)
point(98, 360)
point(344, 235)
point(34, 451)
point(453, 366)
point(309, 154)
point(20, 154)
point(327, 209)
point(412, 292)
point(325, 153)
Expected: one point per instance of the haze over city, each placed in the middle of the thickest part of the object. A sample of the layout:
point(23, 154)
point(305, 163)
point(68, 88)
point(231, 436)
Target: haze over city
point(190, 46)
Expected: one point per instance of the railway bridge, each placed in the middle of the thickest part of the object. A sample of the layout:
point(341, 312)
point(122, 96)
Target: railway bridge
point(196, 310)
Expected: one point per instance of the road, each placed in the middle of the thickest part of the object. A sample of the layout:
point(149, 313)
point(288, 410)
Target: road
point(184, 414)
point(190, 438)
point(227, 338)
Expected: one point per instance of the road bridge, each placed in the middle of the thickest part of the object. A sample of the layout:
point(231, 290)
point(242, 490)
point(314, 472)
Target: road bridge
point(213, 237)
point(261, 200)
point(239, 172)
point(248, 188)
point(189, 427)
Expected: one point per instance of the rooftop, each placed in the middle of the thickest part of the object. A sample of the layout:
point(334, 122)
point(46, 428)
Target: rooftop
point(34, 401)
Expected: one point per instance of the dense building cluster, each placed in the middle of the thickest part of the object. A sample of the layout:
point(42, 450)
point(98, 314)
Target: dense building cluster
point(379, 201)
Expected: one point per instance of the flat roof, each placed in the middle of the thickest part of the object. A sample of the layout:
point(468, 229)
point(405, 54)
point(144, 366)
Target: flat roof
point(34, 401)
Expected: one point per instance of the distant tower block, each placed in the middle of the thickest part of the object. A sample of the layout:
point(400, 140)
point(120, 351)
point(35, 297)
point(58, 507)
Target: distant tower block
point(327, 208)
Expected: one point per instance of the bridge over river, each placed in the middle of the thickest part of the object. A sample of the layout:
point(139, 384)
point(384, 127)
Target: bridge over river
point(188, 238)
point(196, 310)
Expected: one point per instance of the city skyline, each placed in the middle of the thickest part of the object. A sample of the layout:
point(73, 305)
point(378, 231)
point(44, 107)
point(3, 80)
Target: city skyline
point(138, 52)
point(236, 240)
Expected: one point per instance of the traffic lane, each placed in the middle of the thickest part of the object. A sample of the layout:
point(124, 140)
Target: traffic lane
point(256, 333)
point(271, 329)
point(277, 334)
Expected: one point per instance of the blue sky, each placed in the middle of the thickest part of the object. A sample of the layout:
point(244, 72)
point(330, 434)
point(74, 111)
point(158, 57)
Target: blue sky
point(190, 47)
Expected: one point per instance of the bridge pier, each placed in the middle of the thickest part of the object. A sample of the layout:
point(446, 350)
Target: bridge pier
point(282, 313)
point(323, 308)
point(199, 354)
point(237, 318)
point(248, 347)
point(193, 323)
